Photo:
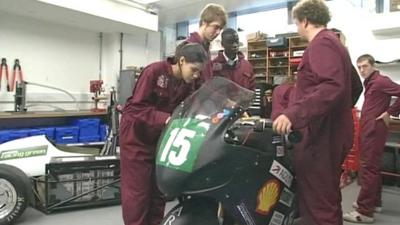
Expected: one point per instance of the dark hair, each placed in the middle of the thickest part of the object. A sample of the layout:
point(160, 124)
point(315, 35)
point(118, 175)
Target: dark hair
point(228, 31)
point(315, 11)
point(368, 57)
point(213, 12)
point(193, 53)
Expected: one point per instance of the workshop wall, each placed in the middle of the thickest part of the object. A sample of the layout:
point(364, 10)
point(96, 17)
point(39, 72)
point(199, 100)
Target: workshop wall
point(68, 58)
point(51, 54)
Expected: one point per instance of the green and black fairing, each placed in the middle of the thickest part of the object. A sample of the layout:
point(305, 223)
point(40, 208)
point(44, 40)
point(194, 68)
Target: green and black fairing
point(208, 154)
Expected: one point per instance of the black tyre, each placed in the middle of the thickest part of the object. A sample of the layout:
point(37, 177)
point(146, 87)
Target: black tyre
point(15, 193)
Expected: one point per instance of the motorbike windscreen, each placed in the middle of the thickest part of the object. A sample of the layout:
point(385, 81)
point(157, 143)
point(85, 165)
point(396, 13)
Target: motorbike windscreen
point(197, 119)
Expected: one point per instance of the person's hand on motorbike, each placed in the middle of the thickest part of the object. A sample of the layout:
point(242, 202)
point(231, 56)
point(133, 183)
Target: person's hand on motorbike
point(282, 125)
point(385, 117)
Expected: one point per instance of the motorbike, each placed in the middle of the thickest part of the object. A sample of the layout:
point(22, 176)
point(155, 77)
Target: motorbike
point(221, 168)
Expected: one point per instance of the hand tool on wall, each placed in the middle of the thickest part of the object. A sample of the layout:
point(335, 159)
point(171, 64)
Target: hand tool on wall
point(16, 68)
point(4, 67)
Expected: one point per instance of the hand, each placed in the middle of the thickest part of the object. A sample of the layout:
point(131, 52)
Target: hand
point(282, 125)
point(385, 117)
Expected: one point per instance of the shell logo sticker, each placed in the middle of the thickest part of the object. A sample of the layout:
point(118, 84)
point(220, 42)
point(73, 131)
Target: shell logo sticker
point(268, 196)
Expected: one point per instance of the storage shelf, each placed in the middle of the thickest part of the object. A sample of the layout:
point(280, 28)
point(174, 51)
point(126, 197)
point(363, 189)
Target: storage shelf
point(278, 75)
point(259, 76)
point(280, 57)
point(298, 47)
point(258, 41)
point(278, 66)
point(257, 50)
point(257, 59)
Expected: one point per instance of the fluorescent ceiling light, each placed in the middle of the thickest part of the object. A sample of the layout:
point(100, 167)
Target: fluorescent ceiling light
point(144, 1)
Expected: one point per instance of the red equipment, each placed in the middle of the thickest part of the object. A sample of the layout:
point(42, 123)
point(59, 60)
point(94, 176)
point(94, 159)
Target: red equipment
point(96, 88)
point(16, 68)
point(4, 67)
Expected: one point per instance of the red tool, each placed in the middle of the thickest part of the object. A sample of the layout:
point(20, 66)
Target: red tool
point(21, 77)
point(4, 65)
point(96, 88)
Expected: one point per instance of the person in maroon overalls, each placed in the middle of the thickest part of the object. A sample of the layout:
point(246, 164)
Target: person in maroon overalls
point(159, 89)
point(281, 97)
point(282, 93)
point(212, 19)
point(230, 62)
point(320, 108)
point(374, 124)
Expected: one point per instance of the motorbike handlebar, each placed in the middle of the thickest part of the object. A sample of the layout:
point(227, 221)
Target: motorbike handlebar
point(294, 136)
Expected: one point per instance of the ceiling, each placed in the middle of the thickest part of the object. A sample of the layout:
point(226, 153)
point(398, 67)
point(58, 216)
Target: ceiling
point(173, 11)
point(169, 11)
point(58, 15)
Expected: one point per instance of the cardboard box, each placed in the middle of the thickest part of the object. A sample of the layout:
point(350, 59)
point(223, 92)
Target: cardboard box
point(256, 36)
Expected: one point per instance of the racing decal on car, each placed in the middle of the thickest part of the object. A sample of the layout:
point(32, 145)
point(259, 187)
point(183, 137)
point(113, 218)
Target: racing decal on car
point(23, 152)
point(277, 218)
point(268, 196)
point(280, 172)
point(287, 197)
point(181, 143)
point(245, 214)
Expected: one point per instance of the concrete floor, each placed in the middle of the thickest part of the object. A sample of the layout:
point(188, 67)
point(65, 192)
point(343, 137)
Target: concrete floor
point(112, 215)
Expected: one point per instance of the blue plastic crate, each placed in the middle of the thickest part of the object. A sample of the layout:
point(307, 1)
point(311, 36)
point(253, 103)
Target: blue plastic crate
point(103, 132)
point(4, 136)
point(17, 134)
point(87, 127)
point(67, 135)
point(48, 131)
point(89, 139)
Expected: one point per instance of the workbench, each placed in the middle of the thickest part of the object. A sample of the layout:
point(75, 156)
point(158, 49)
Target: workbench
point(392, 148)
point(22, 120)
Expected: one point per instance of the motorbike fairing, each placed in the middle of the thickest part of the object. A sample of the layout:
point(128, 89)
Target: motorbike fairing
point(206, 152)
point(196, 211)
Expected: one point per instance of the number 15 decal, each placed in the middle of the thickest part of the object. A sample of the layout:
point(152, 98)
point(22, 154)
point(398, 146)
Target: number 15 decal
point(180, 145)
point(179, 138)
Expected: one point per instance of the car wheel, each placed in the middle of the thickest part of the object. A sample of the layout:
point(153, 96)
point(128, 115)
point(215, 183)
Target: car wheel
point(14, 193)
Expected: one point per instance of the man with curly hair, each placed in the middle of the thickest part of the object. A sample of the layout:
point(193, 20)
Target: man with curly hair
point(320, 108)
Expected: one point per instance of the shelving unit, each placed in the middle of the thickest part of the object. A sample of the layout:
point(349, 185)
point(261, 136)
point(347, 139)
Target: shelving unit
point(274, 65)
point(297, 45)
point(257, 56)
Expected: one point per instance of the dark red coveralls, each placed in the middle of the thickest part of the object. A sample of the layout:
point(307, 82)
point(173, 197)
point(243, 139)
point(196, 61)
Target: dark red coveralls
point(241, 73)
point(206, 73)
point(280, 99)
point(378, 92)
point(154, 97)
point(282, 93)
point(321, 110)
